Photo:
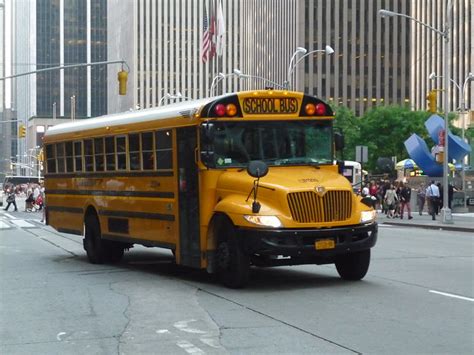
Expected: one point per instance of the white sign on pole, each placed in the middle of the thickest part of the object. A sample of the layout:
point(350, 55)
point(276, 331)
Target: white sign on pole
point(362, 153)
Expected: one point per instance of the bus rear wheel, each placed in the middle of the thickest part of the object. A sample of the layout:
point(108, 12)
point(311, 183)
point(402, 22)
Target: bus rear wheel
point(353, 266)
point(233, 264)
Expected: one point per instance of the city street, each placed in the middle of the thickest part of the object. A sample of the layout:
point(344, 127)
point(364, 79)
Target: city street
point(418, 297)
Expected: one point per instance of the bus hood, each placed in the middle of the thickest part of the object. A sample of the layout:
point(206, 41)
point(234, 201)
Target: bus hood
point(286, 179)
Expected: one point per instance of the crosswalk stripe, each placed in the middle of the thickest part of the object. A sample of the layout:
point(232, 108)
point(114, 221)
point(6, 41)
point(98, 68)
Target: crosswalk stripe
point(21, 223)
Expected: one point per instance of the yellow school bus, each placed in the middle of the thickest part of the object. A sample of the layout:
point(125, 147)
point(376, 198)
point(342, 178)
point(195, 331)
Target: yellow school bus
point(226, 183)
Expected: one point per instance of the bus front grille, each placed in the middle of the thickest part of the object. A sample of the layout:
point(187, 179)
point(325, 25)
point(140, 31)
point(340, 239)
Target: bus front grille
point(309, 207)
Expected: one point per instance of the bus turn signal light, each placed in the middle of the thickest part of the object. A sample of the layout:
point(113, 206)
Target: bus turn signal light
point(231, 110)
point(310, 109)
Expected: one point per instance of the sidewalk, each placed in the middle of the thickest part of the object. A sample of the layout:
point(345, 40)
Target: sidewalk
point(463, 222)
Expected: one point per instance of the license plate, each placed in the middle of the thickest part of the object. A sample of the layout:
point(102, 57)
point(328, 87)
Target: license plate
point(325, 244)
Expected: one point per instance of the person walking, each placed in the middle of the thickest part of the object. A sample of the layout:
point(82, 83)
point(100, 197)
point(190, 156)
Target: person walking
point(421, 198)
point(432, 195)
point(405, 197)
point(11, 200)
point(390, 199)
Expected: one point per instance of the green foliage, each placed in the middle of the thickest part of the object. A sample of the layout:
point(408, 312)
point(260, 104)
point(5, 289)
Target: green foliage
point(348, 123)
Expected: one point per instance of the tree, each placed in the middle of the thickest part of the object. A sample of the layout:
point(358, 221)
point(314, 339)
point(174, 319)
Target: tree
point(348, 123)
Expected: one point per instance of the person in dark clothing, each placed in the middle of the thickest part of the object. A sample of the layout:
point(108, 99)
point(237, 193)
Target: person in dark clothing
point(11, 200)
point(450, 195)
point(405, 196)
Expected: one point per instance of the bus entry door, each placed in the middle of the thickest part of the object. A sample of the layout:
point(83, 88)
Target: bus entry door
point(188, 187)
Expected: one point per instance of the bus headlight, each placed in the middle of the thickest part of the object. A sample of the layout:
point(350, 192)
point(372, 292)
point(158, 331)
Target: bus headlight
point(367, 216)
point(267, 221)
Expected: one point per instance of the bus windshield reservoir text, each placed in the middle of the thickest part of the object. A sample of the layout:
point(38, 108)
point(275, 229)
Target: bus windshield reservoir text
point(270, 105)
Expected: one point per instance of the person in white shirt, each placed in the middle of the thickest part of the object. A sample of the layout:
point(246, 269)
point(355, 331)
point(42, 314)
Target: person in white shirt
point(432, 196)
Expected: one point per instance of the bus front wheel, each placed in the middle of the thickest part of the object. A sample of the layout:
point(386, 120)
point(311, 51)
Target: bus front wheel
point(353, 266)
point(233, 264)
point(100, 250)
point(93, 242)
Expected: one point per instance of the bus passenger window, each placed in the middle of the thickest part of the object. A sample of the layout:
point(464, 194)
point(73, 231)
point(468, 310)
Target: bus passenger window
point(164, 152)
point(60, 157)
point(88, 155)
point(147, 151)
point(121, 153)
point(134, 151)
point(78, 155)
point(110, 153)
point(99, 154)
point(69, 158)
point(51, 158)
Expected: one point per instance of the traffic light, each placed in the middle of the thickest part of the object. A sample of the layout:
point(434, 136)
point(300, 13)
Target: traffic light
point(432, 101)
point(22, 131)
point(122, 78)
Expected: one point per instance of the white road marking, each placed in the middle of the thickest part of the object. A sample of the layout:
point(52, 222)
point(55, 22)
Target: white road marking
point(162, 331)
point(212, 342)
point(453, 296)
point(4, 225)
point(9, 216)
point(190, 348)
point(21, 223)
point(183, 326)
point(60, 334)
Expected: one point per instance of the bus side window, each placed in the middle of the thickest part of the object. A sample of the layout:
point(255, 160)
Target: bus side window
point(134, 151)
point(78, 155)
point(147, 151)
point(51, 158)
point(110, 153)
point(88, 155)
point(121, 144)
point(164, 149)
point(69, 158)
point(60, 157)
point(99, 154)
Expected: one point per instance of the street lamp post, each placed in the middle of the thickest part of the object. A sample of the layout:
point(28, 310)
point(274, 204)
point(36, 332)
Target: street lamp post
point(462, 109)
point(292, 66)
point(446, 215)
point(241, 75)
point(168, 96)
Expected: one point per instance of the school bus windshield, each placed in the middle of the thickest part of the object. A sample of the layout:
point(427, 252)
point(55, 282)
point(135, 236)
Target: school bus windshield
point(276, 143)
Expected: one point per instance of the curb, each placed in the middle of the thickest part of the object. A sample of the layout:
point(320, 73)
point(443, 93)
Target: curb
point(432, 227)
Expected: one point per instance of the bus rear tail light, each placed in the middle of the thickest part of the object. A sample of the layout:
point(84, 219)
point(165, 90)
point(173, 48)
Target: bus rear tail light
point(220, 110)
point(320, 109)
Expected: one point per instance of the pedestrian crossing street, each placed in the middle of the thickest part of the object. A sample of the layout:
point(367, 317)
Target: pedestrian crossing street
point(11, 221)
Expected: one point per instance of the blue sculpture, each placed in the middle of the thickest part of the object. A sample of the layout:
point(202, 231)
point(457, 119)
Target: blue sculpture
point(419, 152)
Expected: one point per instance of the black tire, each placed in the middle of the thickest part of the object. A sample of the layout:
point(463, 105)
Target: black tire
point(113, 251)
point(93, 243)
point(232, 263)
point(353, 266)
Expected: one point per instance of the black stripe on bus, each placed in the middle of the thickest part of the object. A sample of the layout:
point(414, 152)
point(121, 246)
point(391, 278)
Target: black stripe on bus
point(69, 231)
point(144, 215)
point(115, 174)
point(112, 193)
point(66, 209)
point(131, 240)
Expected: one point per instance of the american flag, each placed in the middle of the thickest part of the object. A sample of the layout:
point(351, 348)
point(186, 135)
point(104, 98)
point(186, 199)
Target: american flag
point(206, 38)
point(208, 48)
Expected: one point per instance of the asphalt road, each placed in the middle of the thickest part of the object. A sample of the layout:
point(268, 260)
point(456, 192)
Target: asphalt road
point(418, 297)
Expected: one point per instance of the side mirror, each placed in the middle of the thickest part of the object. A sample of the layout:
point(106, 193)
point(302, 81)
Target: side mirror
point(207, 132)
point(257, 169)
point(339, 141)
